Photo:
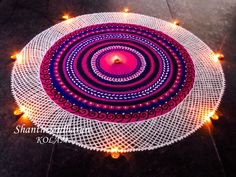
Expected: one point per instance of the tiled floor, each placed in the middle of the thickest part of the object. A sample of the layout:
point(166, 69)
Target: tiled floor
point(203, 154)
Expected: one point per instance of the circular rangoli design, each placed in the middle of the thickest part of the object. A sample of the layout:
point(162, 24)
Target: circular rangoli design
point(119, 80)
point(117, 72)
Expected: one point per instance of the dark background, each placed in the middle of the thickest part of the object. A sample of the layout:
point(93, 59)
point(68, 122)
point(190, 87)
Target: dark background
point(210, 152)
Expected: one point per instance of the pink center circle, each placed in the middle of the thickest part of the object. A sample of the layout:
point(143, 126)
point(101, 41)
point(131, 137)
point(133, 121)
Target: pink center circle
point(118, 62)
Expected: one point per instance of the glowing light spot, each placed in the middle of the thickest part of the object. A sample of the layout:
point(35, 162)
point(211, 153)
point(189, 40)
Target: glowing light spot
point(24, 120)
point(25, 113)
point(215, 116)
point(208, 116)
point(218, 56)
point(13, 57)
point(18, 112)
point(65, 17)
point(115, 152)
point(24, 116)
point(115, 155)
point(176, 22)
point(126, 10)
point(16, 56)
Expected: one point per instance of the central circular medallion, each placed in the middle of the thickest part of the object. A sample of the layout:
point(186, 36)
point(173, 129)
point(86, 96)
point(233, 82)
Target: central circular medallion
point(126, 60)
point(115, 62)
point(117, 73)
